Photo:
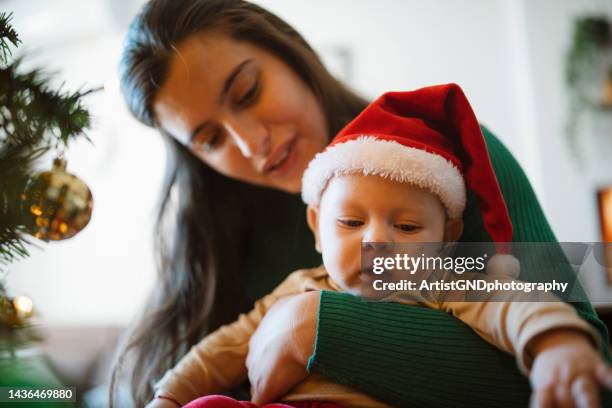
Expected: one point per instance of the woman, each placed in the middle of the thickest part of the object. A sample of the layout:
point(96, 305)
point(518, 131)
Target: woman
point(244, 104)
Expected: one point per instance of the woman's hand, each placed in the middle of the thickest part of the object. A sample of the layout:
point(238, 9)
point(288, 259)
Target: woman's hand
point(567, 371)
point(281, 346)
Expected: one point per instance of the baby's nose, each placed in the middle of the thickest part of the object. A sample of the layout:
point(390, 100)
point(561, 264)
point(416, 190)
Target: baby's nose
point(378, 236)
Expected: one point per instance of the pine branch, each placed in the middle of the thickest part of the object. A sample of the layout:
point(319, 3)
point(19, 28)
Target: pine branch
point(8, 36)
point(34, 119)
point(32, 113)
point(12, 246)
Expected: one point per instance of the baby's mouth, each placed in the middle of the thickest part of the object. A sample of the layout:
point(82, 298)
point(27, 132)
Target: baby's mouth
point(367, 274)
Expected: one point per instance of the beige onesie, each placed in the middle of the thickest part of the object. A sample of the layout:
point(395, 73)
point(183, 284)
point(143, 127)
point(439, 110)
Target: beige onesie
point(217, 363)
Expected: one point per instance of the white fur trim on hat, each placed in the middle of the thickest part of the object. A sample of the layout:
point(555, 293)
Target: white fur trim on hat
point(389, 159)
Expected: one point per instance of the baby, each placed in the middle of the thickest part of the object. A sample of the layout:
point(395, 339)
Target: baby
point(398, 174)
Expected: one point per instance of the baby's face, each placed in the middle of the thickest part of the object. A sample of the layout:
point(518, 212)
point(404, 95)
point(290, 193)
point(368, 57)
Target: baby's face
point(357, 208)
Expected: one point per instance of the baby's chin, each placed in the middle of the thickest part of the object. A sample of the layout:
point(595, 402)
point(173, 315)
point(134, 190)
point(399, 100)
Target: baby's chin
point(354, 288)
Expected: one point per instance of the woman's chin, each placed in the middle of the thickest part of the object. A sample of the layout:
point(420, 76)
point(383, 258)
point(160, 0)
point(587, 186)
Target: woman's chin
point(288, 186)
point(291, 184)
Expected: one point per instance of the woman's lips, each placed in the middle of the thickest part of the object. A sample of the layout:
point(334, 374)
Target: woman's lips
point(282, 160)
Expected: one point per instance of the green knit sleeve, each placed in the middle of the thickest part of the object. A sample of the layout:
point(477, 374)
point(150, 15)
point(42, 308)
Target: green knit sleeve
point(529, 225)
point(414, 356)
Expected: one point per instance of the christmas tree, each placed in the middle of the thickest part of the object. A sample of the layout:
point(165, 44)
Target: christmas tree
point(34, 119)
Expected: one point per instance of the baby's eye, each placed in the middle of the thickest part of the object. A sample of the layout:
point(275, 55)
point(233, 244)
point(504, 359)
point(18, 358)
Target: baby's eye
point(408, 227)
point(350, 222)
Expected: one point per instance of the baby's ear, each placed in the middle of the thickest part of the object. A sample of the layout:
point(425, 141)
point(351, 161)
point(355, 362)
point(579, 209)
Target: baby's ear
point(453, 230)
point(312, 217)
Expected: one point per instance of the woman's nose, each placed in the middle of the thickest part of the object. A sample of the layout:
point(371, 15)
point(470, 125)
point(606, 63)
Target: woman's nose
point(251, 138)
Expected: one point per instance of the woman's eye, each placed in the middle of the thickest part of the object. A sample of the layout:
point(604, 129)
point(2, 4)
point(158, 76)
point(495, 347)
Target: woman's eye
point(250, 95)
point(350, 223)
point(209, 143)
point(407, 227)
point(212, 142)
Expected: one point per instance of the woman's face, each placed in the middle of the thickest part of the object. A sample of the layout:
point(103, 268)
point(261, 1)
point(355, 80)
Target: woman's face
point(242, 111)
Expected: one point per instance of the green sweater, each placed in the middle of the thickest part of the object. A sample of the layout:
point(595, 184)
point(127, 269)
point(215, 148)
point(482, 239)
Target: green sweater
point(410, 355)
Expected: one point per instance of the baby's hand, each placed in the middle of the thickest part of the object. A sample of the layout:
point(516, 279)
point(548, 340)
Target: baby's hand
point(567, 371)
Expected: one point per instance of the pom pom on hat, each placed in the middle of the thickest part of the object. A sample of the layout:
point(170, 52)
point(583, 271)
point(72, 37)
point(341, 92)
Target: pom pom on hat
point(504, 265)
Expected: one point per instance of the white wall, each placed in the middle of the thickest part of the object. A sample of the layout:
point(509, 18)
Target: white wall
point(402, 45)
point(569, 186)
point(504, 53)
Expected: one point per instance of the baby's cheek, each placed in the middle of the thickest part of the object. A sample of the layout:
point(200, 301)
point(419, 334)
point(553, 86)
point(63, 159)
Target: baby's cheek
point(341, 251)
point(349, 264)
point(338, 263)
point(333, 264)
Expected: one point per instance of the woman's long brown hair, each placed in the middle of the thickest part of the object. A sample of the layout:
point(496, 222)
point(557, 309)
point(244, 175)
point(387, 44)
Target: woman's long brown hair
point(199, 250)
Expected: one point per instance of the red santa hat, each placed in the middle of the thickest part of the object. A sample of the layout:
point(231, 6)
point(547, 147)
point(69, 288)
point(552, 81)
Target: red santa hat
point(429, 138)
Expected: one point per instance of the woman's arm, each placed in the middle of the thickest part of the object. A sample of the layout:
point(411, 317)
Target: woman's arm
point(398, 353)
point(530, 225)
point(409, 355)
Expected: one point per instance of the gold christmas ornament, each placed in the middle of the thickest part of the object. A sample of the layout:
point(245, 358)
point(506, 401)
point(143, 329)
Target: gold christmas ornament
point(23, 306)
point(15, 312)
point(60, 203)
point(8, 314)
point(607, 90)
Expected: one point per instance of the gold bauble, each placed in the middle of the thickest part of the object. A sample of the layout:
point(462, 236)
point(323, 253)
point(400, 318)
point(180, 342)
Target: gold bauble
point(60, 204)
point(15, 312)
point(8, 315)
point(607, 91)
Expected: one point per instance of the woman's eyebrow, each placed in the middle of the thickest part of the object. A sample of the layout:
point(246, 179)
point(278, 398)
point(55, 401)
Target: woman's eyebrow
point(226, 86)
